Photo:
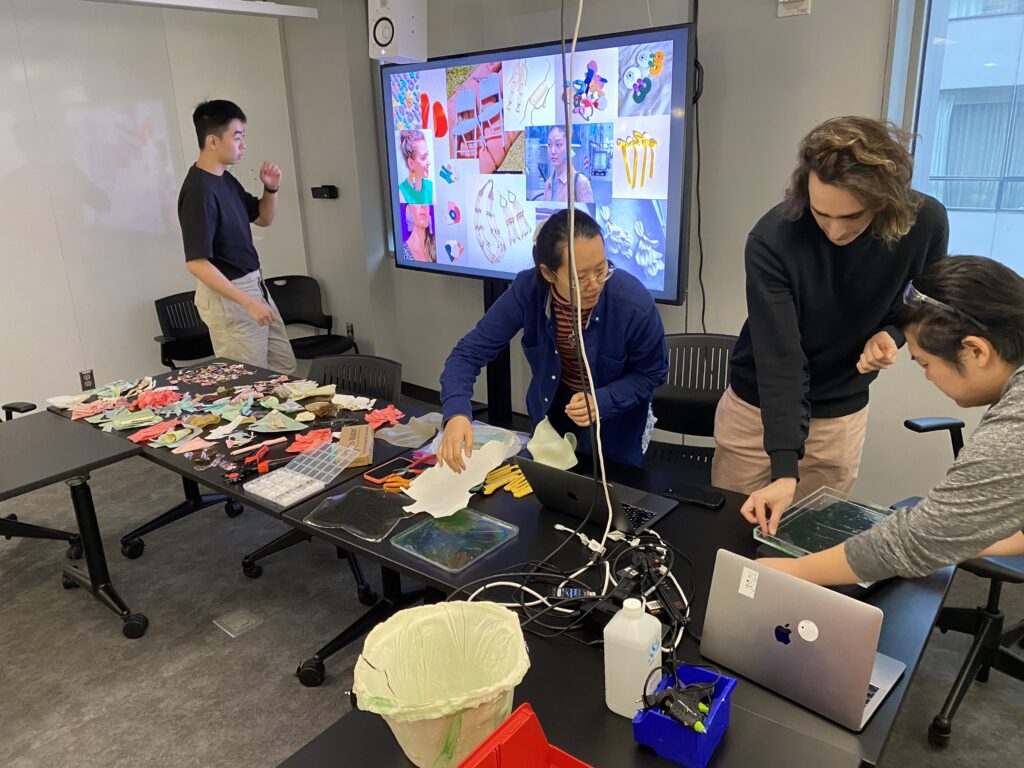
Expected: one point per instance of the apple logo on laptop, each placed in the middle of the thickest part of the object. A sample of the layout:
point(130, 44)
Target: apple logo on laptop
point(782, 634)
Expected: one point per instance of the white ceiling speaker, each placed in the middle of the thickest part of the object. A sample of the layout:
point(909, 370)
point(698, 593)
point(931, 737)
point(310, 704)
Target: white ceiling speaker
point(397, 30)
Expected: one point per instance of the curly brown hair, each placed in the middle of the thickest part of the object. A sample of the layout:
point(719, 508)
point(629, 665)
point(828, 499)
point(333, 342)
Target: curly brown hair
point(868, 158)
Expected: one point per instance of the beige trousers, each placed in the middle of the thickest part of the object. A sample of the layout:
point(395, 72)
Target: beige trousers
point(832, 450)
point(236, 336)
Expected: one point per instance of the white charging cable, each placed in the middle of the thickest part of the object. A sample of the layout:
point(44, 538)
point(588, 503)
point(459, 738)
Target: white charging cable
point(541, 600)
point(571, 203)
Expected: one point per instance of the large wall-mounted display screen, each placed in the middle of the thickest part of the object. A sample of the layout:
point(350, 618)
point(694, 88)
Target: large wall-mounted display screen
point(478, 148)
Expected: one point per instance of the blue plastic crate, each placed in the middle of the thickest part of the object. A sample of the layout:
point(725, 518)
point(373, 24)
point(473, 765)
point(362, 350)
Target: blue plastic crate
point(673, 740)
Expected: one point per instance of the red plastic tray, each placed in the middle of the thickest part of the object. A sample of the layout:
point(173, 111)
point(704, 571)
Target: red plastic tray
point(519, 742)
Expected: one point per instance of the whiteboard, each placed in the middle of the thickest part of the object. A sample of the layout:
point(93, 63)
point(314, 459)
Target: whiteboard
point(96, 103)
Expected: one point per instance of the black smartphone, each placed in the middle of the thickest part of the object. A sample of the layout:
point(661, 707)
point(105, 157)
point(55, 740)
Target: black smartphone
point(699, 497)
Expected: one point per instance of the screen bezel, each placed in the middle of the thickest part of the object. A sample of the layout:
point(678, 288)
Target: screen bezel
point(674, 294)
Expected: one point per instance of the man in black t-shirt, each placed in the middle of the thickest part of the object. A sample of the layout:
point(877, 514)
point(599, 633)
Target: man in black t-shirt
point(215, 213)
point(825, 272)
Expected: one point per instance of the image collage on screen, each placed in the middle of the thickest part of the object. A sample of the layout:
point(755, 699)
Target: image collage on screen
point(481, 157)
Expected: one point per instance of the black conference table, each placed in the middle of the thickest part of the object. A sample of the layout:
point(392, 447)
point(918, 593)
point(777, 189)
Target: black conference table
point(234, 495)
point(565, 683)
point(42, 449)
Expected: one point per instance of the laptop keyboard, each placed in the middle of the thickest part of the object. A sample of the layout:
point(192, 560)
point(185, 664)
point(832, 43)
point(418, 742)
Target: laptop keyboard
point(872, 690)
point(637, 516)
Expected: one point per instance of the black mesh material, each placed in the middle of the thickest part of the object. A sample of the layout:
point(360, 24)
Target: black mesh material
point(364, 375)
point(369, 513)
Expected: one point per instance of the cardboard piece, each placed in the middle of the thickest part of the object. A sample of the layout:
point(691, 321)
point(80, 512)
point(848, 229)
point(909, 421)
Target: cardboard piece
point(361, 439)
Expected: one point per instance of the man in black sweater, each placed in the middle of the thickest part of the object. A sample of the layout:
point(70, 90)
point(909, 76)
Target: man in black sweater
point(825, 272)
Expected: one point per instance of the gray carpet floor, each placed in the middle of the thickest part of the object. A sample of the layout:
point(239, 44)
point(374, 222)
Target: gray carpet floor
point(74, 692)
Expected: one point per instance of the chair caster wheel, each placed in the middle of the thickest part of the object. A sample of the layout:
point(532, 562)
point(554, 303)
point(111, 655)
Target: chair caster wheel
point(68, 583)
point(252, 570)
point(133, 549)
point(135, 625)
point(74, 550)
point(311, 673)
point(13, 518)
point(233, 508)
point(939, 733)
point(368, 597)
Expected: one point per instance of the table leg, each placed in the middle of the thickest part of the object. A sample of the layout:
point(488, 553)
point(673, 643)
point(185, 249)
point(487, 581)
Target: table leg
point(132, 544)
point(311, 672)
point(97, 578)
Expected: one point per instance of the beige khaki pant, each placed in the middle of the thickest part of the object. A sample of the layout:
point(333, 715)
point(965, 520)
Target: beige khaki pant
point(236, 336)
point(832, 450)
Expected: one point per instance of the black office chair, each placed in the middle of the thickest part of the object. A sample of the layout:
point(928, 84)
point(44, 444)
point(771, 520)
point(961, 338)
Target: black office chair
point(365, 375)
point(183, 334)
point(698, 374)
point(991, 648)
point(11, 527)
point(298, 301)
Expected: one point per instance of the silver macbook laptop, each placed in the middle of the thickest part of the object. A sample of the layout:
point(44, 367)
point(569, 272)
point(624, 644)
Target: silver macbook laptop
point(632, 510)
point(805, 642)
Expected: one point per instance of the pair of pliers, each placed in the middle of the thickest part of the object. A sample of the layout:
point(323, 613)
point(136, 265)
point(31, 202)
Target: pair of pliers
point(259, 468)
point(429, 458)
point(412, 469)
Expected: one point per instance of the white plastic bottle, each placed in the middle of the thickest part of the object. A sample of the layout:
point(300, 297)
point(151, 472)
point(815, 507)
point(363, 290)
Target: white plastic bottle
point(632, 648)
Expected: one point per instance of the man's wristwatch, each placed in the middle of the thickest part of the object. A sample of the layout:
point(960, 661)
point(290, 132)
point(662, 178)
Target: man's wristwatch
point(270, 190)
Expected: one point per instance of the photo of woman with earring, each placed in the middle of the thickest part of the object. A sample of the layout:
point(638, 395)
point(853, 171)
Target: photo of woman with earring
point(419, 243)
point(417, 188)
point(556, 187)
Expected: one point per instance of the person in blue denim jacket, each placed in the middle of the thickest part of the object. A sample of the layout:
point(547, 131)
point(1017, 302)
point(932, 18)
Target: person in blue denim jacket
point(622, 333)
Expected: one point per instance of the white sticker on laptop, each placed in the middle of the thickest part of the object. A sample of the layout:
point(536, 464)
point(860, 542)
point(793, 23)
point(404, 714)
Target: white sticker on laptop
point(748, 582)
point(808, 630)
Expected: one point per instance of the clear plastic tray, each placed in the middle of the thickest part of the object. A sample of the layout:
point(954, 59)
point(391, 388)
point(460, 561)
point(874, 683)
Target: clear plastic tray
point(305, 476)
point(454, 543)
point(820, 521)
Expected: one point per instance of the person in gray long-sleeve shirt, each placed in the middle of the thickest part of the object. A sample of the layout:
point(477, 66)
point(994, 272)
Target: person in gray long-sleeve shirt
point(964, 323)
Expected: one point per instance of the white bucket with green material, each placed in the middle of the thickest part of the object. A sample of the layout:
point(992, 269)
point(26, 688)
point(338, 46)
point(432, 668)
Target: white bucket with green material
point(442, 676)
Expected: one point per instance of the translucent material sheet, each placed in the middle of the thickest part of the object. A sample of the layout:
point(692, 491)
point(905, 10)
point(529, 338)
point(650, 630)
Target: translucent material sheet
point(369, 513)
point(455, 542)
point(413, 433)
point(819, 522)
point(548, 447)
point(483, 434)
